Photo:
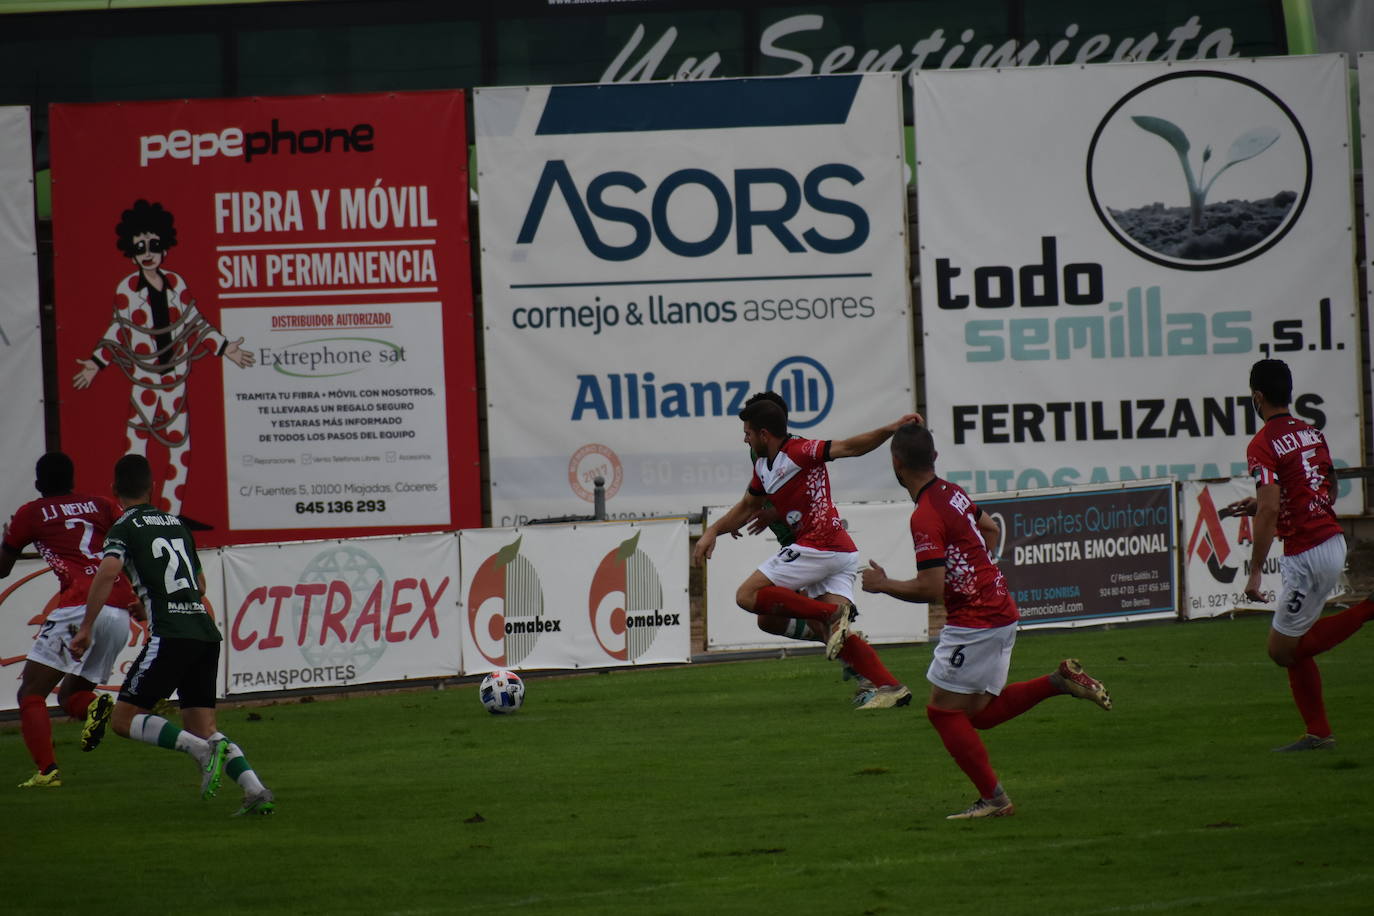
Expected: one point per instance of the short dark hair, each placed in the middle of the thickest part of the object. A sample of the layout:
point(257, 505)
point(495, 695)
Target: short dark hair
point(133, 477)
point(144, 217)
point(54, 474)
point(766, 415)
point(914, 447)
point(1273, 379)
point(771, 396)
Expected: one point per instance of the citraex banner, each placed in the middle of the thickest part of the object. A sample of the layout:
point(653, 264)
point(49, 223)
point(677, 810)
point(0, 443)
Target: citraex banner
point(1106, 250)
point(653, 254)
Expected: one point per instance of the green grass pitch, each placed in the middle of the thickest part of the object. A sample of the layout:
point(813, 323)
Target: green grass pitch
point(748, 787)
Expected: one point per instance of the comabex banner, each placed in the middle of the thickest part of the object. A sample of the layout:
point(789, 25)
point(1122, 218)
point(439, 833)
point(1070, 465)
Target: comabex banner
point(595, 595)
point(1107, 250)
point(270, 298)
point(652, 254)
point(21, 350)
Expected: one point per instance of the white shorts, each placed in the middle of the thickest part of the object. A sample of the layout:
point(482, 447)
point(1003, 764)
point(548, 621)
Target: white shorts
point(813, 572)
point(1307, 579)
point(972, 660)
point(109, 635)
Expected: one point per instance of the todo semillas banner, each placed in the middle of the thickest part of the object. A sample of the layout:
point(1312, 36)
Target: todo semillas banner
point(270, 298)
point(1105, 252)
point(653, 254)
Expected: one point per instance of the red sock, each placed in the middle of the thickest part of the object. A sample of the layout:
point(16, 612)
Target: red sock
point(36, 727)
point(1330, 632)
point(1305, 680)
point(774, 599)
point(76, 703)
point(965, 747)
point(1014, 700)
point(860, 656)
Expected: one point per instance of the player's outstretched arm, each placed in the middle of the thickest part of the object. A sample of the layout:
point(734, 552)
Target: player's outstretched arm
point(929, 584)
point(864, 443)
point(1265, 524)
point(731, 521)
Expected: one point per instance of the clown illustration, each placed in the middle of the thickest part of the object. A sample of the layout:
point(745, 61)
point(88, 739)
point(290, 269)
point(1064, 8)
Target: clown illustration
point(154, 336)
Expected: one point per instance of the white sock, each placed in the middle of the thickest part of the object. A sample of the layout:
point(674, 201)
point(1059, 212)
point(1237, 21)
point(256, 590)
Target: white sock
point(157, 731)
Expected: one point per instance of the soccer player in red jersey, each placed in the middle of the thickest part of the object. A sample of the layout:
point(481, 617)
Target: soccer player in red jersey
point(968, 673)
point(1295, 494)
point(68, 530)
point(811, 579)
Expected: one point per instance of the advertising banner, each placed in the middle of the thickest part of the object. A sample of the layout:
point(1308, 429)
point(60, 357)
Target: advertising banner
point(286, 280)
point(1216, 555)
point(333, 613)
point(29, 593)
point(593, 595)
point(21, 350)
point(882, 533)
point(652, 254)
point(1366, 93)
point(1107, 250)
point(1082, 556)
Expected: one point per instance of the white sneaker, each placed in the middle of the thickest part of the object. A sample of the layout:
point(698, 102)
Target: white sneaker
point(885, 697)
point(839, 630)
point(997, 806)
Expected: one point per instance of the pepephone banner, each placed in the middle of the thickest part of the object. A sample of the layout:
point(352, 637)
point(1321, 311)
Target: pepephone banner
point(595, 595)
point(1106, 251)
point(287, 281)
point(653, 254)
point(21, 350)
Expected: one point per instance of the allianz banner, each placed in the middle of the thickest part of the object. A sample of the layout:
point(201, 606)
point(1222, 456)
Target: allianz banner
point(284, 283)
point(597, 595)
point(652, 254)
point(21, 349)
point(1105, 252)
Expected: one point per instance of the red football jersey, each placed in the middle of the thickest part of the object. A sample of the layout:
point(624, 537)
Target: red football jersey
point(1293, 454)
point(798, 485)
point(69, 532)
point(944, 532)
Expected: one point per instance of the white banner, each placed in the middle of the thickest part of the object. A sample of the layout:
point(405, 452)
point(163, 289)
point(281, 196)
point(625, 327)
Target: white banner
point(652, 254)
point(330, 613)
point(575, 596)
point(21, 351)
point(1105, 252)
point(1216, 558)
point(881, 531)
point(1366, 92)
point(26, 597)
point(337, 429)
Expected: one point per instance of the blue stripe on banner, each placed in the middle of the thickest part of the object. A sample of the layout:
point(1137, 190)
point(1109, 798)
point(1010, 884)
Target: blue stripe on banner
point(699, 104)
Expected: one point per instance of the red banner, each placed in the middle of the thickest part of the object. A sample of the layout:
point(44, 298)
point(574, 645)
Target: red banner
point(283, 284)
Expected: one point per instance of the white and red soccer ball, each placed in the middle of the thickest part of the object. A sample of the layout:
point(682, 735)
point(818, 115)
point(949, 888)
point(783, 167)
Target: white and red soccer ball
point(502, 692)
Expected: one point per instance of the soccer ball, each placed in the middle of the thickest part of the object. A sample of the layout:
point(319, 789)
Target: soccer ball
point(502, 692)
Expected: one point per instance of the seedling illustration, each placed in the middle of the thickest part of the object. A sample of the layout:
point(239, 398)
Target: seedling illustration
point(1247, 146)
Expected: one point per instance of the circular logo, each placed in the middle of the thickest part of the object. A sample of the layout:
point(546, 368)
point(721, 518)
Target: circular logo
point(590, 462)
point(806, 387)
point(1199, 170)
point(352, 576)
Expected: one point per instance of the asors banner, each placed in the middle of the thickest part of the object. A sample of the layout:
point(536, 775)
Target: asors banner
point(332, 613)
point(21, 349)
point(1085, 555)
point(1105, 252)
point(594, 595)
point(652, 254)
point(286, 280)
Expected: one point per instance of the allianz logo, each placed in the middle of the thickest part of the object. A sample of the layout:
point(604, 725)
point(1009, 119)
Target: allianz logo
point(803, 382)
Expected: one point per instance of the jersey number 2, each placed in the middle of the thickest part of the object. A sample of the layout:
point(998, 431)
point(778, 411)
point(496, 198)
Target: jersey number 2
point(175, 552)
